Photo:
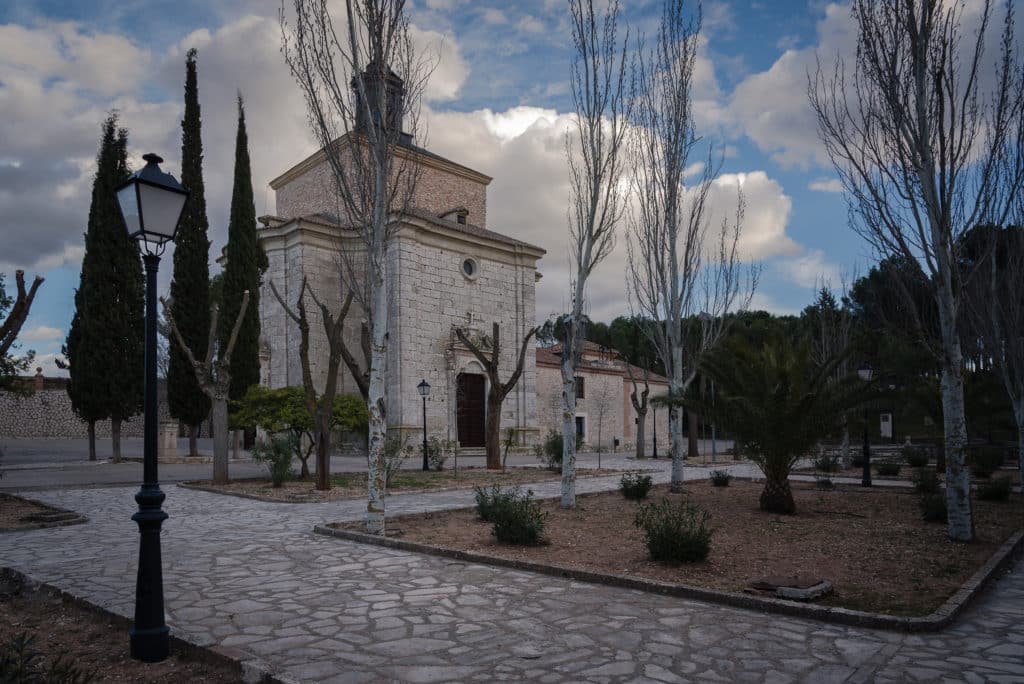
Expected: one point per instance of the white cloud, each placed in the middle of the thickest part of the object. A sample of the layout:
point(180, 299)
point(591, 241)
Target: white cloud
point(531, 24)
point(811, 269)
point(762, 301)
point(771, 106)
point(41, 333)
point(492, 15)
point(766, 214)
point(523, 148)
point(48, 362)
point(826, 185)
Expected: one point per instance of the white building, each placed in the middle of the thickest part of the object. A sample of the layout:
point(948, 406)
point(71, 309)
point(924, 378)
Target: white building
point(445, 269)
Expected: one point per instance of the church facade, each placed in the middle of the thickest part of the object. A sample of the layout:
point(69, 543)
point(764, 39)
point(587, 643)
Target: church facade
point(445, 270)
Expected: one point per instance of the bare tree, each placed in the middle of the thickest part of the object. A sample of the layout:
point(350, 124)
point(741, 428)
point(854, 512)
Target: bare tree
point(638, 398)
point(918, 146)
point(604, 401)
point(362, 87)
point(673, 273)
point(498, 390)
point(214, 378)
point(11, 325)
point(321, 407)
point(593, 147)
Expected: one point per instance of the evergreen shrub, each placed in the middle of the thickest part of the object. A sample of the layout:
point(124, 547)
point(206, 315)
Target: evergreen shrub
point(635, 485)
point(517, 518)
point(675, 533)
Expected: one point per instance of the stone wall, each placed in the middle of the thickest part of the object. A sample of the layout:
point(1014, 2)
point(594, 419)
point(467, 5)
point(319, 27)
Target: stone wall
point(600, 388)
point(47, 414)
point(430, 295)
point(440, 187)
point(435, 297)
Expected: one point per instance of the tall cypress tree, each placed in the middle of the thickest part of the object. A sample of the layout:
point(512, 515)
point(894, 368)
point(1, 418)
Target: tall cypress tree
point(245, 263)
point(190, 304)
point(104, 347)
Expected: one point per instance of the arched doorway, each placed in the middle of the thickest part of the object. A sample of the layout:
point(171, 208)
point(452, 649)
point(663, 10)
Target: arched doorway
point(471, 403)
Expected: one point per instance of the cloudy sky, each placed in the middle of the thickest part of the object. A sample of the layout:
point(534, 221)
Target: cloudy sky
point(497, 102)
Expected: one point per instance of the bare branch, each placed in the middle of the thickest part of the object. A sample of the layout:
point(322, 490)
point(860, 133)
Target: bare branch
point(19, 311)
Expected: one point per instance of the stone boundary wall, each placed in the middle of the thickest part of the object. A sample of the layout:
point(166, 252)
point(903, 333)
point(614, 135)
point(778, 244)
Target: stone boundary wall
point(47, 414)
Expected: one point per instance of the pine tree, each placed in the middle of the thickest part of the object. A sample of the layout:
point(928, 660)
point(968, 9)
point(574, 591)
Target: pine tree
point(191, 281)
point(245, 264)
point(105, 344)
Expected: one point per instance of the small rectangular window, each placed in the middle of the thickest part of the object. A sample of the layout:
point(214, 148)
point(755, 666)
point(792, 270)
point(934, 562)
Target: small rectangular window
point(580, 428)
point(579, 388)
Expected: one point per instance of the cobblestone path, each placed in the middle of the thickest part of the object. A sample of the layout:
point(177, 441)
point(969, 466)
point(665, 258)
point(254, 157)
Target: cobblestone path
point(252, 576)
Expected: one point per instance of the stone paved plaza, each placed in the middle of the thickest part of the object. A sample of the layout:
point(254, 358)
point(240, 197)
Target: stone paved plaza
point(253, 577)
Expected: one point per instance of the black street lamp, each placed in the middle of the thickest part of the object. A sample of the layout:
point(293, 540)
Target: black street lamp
point(424, 388)
point(151, 204)
point(865, 372)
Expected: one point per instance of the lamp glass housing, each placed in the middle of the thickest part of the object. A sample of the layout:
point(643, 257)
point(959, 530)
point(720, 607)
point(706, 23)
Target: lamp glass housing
point(865, 372)
point(424, 388)
point(151, 203)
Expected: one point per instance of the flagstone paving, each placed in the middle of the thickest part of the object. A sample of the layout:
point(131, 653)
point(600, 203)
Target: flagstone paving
point(252, 576)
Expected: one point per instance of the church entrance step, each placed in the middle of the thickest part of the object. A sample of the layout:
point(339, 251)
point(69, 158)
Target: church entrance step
point(472, 451)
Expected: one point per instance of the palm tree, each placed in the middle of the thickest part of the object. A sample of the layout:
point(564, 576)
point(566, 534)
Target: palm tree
point(777, 403)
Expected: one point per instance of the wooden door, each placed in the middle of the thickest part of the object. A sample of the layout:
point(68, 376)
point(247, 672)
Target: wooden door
point(471, 410)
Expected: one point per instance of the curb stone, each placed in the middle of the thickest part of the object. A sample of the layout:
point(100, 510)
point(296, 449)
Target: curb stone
point(938, 620)
point(252, 670)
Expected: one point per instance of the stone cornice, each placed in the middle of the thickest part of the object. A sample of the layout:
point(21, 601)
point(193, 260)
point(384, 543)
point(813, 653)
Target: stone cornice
point(422, 156)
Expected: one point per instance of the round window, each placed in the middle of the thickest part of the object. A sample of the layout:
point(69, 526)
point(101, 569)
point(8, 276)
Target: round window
point(468, 268)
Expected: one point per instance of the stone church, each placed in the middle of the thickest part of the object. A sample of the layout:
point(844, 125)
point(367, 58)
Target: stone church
point(446, 269)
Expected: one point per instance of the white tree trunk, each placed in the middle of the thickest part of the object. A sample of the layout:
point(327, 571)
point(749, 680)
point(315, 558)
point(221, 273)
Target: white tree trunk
point(568, 430)
point(844, 447)
point(220, 440)
point(1018, 413)
point(958, 478)
point(675, 427)
point(675, 417)
point(375, 456)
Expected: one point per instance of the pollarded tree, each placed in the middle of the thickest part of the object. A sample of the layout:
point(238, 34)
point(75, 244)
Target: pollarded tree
point(245, 264)
point(213, 374)
point(190, 304)
point(363, 86)
point(104, 347)
point(13, 313)
point(497, 390)
point(919, 144)
point(678, 274)
point(594, 148)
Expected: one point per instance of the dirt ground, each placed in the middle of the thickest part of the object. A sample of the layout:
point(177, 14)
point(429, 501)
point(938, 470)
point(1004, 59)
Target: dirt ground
point(907, 473)
point(353, 485)
point(870, 543)
point(17, 513)
point(96, 643)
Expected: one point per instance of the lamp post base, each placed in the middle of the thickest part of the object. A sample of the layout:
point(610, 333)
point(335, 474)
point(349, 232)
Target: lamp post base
point(149, 645)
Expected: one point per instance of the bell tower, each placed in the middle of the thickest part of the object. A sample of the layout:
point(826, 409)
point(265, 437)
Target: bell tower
point(384, 90)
